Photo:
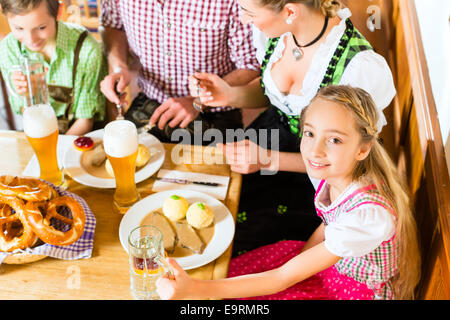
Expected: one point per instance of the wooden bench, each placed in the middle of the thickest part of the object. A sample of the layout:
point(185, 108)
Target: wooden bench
point(420, 152)
point(412, 136)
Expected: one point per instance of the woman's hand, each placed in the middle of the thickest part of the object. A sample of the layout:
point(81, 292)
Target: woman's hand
point(174, 289)
point(246, 156)
point(212, 90)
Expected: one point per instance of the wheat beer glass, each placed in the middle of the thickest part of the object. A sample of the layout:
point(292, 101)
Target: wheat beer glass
point(120, 142)
point(41, 129)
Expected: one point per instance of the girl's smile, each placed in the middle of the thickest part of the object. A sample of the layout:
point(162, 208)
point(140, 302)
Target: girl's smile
point(331, 144)
point(317, 165)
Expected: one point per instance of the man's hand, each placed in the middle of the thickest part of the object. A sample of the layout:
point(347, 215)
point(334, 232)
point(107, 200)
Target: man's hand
point(179, 111)
point(115, 83)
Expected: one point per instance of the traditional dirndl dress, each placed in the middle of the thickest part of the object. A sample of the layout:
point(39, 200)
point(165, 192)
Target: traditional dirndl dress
point(287, 212)
point(363, 277)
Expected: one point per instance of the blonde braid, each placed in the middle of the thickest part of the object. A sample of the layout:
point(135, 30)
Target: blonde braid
point(330, 7)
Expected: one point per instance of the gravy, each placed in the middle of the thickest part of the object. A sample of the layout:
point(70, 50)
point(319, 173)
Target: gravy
point(205, 234)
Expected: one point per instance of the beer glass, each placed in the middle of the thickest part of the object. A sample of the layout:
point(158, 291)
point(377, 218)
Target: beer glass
point(147, 262)
point(120, 142)
point(41, 129)
point(33, 68)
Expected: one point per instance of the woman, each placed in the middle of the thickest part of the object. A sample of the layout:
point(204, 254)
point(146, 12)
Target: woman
point(302, 45)
point(72, 56)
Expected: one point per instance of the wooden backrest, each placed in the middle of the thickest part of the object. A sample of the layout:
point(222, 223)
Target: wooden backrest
point(421, 152)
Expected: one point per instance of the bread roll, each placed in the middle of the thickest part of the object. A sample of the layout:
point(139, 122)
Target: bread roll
point(199, 215)
point(141, 159)
point(109, 168)
point(143, 156)
point(175, 207)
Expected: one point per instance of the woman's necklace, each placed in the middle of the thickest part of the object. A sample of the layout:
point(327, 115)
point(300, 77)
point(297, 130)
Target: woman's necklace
point(297, 52)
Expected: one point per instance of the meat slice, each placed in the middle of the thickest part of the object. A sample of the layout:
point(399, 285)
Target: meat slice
point(169, 236)
point(188, 238)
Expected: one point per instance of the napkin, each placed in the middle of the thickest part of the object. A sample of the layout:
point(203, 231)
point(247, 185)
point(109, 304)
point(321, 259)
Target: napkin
point(219, 192)
point(81, 249)
point(64, 142)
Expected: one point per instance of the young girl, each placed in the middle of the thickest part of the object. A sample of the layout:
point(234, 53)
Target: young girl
point(366, 246)
point(73, 57)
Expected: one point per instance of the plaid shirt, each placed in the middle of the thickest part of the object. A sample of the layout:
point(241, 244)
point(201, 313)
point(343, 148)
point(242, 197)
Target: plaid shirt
point(89, 102)
point(175, 38)
point(376, 268)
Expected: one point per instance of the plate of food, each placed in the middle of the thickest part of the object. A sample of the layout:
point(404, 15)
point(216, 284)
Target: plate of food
point(87, 164)
point(196, 227)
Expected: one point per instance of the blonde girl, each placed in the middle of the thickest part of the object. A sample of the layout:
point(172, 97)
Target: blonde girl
point(366, 246)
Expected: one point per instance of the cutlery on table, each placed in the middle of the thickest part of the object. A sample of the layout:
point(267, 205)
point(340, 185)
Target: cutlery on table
point(185, 181)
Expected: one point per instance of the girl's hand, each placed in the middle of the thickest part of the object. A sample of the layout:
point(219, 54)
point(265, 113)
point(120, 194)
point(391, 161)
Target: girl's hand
point(174, 289)
point(19, 81)
point(245, 156)
point(212, 90)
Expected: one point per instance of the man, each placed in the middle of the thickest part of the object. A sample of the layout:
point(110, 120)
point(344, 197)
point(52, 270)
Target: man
point(173, 39)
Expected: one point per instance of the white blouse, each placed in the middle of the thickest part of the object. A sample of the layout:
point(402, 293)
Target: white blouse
point(367, 70)
point(359, 231)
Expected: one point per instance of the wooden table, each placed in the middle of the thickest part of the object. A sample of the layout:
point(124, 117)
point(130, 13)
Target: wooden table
point(105, 275)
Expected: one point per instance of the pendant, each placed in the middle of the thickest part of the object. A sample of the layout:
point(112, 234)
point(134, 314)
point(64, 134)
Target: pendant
point(297, 53)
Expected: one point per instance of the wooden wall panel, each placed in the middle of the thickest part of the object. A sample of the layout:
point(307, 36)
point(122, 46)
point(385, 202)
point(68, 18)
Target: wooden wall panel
point(421, 150)
point(381, 39)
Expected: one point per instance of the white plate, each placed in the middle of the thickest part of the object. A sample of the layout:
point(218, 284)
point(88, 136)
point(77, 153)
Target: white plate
point(73, 166)
point(223, 230)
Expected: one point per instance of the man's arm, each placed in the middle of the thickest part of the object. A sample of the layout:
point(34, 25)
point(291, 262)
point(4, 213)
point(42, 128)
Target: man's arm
point(116, 47)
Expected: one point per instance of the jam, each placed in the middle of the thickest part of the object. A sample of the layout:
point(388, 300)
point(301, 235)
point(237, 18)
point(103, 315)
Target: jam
point(83, 143)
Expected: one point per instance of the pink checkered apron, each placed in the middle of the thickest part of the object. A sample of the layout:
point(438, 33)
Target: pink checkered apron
point(352, 278)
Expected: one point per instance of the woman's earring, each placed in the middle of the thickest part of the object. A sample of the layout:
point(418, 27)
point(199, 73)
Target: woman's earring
point(289, 21)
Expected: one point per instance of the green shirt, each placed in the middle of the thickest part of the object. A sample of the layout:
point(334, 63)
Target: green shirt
point(89, 102)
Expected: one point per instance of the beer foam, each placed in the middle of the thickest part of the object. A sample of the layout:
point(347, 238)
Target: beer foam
point(120, 138)
point(39, 121)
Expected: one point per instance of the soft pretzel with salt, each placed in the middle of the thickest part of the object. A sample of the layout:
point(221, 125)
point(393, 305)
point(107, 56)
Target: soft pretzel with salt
point(28, 189)
point(47, 233)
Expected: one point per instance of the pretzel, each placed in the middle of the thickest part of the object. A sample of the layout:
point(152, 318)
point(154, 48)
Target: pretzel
point(47, 233)
point(26, 188)
point(12, 235)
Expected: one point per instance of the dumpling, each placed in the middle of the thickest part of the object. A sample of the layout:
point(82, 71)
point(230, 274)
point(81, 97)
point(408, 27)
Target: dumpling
point(175, 207)
point(199, 215)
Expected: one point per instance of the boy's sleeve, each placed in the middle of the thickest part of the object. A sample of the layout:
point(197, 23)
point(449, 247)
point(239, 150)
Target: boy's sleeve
point(89, 102)
point(9, 57)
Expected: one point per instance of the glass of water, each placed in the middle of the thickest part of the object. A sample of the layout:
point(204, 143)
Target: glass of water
point(147, 263)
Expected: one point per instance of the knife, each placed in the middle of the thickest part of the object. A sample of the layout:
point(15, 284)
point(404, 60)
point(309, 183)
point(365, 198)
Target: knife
point(184, 181)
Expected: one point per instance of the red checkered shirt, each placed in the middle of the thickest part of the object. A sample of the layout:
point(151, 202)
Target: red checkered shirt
point(175, 38)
